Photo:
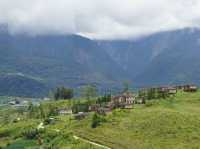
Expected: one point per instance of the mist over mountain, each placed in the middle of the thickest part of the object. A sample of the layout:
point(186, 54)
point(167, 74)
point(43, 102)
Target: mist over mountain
point(163, 58)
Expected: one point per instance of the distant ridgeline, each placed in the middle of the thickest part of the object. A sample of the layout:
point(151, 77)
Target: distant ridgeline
point(31, 65)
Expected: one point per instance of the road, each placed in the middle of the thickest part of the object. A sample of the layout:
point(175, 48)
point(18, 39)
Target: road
point(90, 142)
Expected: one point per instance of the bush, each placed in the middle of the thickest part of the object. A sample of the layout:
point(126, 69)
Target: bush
point(4, 133)
point(97, 120)
point(63, 93)
point(80, 107)
point(104, 99)
point(31, 133)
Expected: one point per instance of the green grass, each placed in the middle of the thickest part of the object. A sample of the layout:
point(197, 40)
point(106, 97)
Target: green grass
point(159, 124)
point(170, 123)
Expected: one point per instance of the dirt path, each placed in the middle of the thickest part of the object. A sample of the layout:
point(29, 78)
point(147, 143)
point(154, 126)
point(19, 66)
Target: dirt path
point(90, 142)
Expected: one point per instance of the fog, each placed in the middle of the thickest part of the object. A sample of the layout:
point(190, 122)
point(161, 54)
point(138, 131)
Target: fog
point(99, 19)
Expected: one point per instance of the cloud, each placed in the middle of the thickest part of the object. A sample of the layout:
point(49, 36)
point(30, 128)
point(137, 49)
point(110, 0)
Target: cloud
point(100, 19)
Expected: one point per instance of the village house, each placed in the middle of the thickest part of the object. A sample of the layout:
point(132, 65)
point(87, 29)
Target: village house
point(172, 90)
point(169, 90)
point(94, 107)
point(187, 88)
point(65, 111)
point(190, 88)
point(103, 110)
point(14, 102)
point(124, 101)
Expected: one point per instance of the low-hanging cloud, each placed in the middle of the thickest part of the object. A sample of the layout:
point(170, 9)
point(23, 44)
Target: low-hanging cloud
point(99, 19)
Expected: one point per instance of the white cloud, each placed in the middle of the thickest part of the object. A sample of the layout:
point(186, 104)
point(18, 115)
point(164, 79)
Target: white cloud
point(102, 19)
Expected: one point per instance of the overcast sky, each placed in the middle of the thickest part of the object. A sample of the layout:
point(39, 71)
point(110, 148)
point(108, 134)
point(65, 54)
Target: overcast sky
point(100, 19)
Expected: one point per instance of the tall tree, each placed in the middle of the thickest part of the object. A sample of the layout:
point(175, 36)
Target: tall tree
point(63, 93)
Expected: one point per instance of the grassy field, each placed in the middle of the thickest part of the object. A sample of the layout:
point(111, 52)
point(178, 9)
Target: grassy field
point(170, 123)
point(166, 123)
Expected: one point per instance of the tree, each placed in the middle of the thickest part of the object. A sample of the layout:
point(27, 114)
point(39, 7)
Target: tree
point(141, 93)
point(63, 93)
point(97, 120)
point(104, 99)
point(89, 91)
point(80, 107)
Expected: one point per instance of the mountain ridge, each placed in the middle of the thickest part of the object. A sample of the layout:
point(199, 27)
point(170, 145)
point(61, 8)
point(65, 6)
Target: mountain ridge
point(170, 57)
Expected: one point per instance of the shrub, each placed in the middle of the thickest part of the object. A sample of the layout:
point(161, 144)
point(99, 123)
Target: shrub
point(80, 107)
point(97, 120)
point(104, 99)
point(31, 133)
point(4, 133)
point(63, 93)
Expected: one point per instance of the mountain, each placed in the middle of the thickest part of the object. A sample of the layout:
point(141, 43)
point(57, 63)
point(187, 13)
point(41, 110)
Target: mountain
point(179, 61)
point(68, 60)
point(163, 58)
point(170, 57)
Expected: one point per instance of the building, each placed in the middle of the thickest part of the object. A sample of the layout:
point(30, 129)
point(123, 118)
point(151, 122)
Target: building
point(15, 102)
point(172, 90)
point(169, 90)
point(125, 101)
point(190, 88)
point(65, 111)
point(94, 107)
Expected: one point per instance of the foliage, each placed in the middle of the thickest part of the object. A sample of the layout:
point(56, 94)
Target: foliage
point(104, 99)
point(63, 93)
point(97, 120)
point(152, 93)
point(31, 133)
point(42, 111)
point(80, 107)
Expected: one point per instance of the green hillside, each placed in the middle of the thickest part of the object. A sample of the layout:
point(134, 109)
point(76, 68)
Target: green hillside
point(172, 123)
point(166, 123)
point(67, 60)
